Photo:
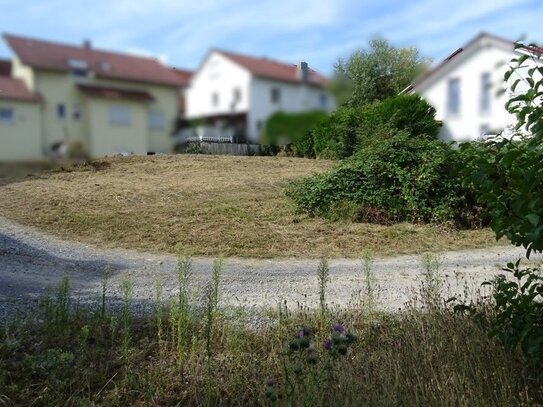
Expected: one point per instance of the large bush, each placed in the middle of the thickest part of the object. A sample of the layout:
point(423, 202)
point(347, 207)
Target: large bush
point(293, 129)
point(336, 136)
point(399, 179)
point(350, 128)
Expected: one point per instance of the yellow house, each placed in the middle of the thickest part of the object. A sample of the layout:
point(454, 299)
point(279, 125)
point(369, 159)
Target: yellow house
point(19, 121)
point(106, 102)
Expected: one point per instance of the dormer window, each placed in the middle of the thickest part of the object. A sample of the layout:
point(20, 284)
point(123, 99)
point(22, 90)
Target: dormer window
point(78, 68)
point(105, 66)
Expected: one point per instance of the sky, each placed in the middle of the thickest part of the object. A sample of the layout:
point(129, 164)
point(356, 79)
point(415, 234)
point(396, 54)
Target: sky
point(179, 32)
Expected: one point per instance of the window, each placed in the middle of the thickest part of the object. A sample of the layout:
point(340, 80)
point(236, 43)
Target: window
point(6, 115)
point(61, 111)
point(156, 120)
point(78, 68)
point(215, 99)
point(275, 95)
point(76, 112)
point(323, 101)
point(485, 92)
point(237, 95)
point(119, 115)
point(453, 96)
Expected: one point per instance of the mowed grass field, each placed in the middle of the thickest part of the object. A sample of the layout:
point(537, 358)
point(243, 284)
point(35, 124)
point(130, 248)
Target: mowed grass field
point(208, 205)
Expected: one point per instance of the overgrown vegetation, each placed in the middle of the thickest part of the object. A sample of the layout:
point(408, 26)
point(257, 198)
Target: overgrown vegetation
point(401, 178)
point(351, 129)
point(292, 130)
point(189, 351)
point(510, 178)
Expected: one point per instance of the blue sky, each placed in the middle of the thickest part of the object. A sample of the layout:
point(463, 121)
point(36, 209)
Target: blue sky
point(319, 31)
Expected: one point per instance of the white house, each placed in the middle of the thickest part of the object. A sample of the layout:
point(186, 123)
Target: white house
point(242, 91)
point(467, 88)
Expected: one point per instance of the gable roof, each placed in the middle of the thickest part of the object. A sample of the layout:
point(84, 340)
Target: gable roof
point(106, 64)
point(268, 68)
point(15, 89)
point(503, 42)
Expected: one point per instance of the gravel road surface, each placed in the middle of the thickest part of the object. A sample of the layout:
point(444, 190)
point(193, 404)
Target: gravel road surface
point(31, 262)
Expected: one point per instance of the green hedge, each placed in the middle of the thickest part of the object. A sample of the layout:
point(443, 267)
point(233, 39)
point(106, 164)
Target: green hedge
point(293, 129)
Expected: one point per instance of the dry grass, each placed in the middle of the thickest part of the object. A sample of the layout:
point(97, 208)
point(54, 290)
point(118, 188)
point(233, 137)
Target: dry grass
point(210, 205)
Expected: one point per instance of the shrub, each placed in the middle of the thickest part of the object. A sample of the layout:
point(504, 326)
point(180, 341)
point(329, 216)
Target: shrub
point(294, 129)
point(400, 179)
point(350, 128)
point(511, 179)
point(404, 112)
point(336, 136)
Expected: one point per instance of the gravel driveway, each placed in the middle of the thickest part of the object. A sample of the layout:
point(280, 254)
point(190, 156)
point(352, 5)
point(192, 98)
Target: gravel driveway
point(32, 261)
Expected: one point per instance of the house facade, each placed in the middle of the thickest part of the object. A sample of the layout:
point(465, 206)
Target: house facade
point(242, 91)
point(468, 91)
point(106, 102)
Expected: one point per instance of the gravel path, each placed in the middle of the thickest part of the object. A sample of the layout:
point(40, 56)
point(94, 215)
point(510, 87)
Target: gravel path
point(32, 261)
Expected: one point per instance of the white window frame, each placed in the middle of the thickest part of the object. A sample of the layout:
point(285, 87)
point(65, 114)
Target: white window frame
point(119, 115)
point(9, 120)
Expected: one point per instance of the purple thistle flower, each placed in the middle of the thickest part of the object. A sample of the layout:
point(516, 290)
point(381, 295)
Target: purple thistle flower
point(270, 382)
point(307, 331)
point(327, 344)
point(338, 328)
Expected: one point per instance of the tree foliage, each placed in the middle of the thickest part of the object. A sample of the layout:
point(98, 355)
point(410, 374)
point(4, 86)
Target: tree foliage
point(376, 73)
point(510, 178)
point(351, 128)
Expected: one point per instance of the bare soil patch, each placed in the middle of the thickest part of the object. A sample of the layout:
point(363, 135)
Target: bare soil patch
point(210, 205)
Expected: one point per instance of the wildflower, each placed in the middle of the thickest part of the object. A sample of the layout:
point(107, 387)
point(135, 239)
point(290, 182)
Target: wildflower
point(339, 328)
point(307, 331)
point(270, 382)
point(327, 344)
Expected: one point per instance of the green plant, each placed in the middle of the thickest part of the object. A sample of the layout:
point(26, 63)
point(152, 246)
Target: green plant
point(400, 179)
point(369, 282)
point(323, 276)
point(336, 136)
point(106, 274)
point(294, 129)
point(518, 304)
point(181, 317)
point(431, 280)
point(126, 292)
point(510, 175)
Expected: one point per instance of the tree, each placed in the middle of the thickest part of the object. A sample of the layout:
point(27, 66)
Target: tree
point(510, 176)
point(376, 73)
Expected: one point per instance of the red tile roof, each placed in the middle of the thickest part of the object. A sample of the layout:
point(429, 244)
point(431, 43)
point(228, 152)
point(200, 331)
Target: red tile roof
point(15, 89)
point(184, 75)
point(105, 64)
point(268, 68)
point(5, 67)
point(115, 93)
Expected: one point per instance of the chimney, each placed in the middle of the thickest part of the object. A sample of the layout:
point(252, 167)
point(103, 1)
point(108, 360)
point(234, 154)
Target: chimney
point(87, 44)
point(303, 71)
